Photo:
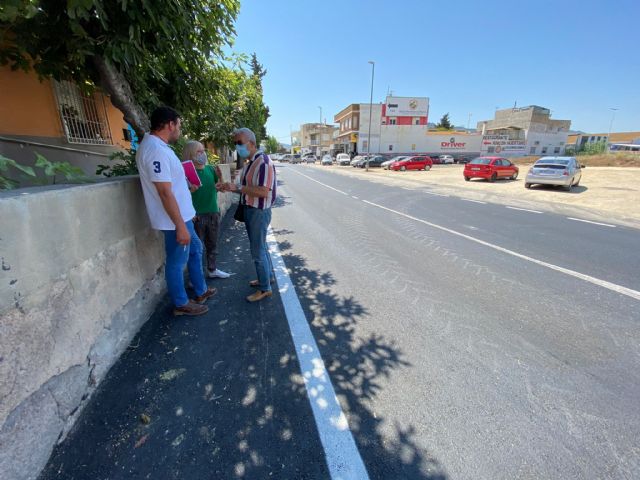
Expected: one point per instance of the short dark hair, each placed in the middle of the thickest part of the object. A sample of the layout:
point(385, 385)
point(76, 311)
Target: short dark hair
point(161, 116)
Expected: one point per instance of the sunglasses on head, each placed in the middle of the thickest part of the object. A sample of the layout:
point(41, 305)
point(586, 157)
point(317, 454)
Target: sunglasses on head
point(239, 142)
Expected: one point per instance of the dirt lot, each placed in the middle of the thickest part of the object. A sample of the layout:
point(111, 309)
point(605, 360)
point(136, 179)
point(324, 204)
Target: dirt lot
point(609, 194)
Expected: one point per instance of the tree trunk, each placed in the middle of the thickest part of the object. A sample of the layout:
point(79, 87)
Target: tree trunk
point(118, 88)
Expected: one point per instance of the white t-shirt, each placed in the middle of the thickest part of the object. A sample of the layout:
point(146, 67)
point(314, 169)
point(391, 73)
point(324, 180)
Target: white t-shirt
point(157, 163)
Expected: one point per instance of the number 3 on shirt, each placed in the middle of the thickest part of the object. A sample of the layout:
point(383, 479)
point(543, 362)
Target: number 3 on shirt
point(156, 167)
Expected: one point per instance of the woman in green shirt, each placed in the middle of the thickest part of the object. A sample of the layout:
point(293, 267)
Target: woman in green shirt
point(205, 202)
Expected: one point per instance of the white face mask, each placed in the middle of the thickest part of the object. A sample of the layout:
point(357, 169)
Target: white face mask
point(201, 158)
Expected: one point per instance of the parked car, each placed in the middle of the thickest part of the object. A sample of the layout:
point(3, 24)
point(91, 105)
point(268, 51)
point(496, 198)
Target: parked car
point(374, 162)
point(310, 159)
point(296, 158)
point(357, 159)
point(418, 162)
point(563, 171)
point(446, 159)
point(286, 157)
point(326, 160)
point(343, 159)
point(462, 160)
point(387, 163)
point(490, 168)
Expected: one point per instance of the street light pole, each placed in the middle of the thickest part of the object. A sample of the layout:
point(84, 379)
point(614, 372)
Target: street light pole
point(608, 140)
point(373, 68)
point(469, 120)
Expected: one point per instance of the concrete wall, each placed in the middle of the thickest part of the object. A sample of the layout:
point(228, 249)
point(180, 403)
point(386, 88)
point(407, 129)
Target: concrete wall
point(80, 272)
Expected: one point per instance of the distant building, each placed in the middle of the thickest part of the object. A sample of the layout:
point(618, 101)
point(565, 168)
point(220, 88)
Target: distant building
point(348, 119)
point(614, 140)
point(396, 125)
point(524, 131)
point(316, 138)
point(295, 142)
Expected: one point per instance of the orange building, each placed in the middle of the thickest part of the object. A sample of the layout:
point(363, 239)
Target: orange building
point(58, 121)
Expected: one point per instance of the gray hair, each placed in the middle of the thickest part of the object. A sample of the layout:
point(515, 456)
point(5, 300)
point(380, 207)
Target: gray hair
point(190, 149)
point(247, 133)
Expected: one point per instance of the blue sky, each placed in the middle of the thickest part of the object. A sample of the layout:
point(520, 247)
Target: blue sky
point(577, 58)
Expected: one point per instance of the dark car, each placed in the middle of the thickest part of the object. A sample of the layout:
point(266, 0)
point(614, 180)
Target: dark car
point(463, 160)
point(374, 162)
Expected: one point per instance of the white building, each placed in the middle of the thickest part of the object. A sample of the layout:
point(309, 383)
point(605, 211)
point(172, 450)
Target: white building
point(517, 132)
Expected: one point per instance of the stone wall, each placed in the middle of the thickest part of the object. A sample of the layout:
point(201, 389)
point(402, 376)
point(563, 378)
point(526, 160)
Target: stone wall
point(80, 272)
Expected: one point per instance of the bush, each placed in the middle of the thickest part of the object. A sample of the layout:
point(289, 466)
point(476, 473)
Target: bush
point(50, 170)
point(126, 167)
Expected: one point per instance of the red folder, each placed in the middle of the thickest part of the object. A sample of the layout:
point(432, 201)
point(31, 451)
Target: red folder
point(190, 173)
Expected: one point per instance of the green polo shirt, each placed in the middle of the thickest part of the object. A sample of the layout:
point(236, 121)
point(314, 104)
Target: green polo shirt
point(205, 198)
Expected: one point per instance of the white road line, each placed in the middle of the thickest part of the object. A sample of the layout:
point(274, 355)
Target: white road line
point(587, 278)
point(474, 201)
point(524, 209)
point(436, 194)
point(340, 450)
point(589, 221)
point(353, 196)
point(323, 184)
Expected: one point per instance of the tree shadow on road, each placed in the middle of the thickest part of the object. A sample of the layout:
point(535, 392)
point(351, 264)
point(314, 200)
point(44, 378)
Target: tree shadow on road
point(222, 396)
point(357, 366)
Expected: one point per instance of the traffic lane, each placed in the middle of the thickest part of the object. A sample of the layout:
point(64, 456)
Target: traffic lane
point(223, 395)
point(594, 250)
point(485, 360)
point(467, 257)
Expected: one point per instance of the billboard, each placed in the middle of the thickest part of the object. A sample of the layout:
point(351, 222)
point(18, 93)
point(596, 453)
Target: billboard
point(502, 144)
point(407, 106)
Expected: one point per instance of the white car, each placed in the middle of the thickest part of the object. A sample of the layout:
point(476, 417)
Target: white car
point(386, 163)
point(446, 159)
point(326, 160)
point(343, 159)
point(310, 159)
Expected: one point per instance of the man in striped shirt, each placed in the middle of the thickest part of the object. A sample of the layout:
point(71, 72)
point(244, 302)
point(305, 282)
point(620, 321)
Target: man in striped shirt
point(257, 188)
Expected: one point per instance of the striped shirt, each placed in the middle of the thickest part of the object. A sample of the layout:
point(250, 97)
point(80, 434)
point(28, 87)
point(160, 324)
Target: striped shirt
point(259, 172)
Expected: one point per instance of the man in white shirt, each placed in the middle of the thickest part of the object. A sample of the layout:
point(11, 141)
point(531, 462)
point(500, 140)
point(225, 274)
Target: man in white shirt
point(168, 201)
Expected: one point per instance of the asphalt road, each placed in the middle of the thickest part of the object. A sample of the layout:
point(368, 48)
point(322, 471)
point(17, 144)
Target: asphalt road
point(464, 339)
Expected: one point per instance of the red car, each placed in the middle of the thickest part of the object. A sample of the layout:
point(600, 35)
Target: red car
point(413, 163)
point(490, 168)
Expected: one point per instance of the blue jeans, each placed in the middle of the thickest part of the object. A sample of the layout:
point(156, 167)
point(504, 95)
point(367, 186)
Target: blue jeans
point(177, 257)
point(257, 222)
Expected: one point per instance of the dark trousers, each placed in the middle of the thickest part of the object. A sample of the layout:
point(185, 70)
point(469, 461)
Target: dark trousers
point(207, 226)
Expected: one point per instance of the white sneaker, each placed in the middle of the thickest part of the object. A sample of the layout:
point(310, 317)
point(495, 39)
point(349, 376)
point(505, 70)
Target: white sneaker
point(218, 274)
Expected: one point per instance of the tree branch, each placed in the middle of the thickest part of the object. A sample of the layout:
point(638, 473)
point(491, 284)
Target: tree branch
point(117, 86)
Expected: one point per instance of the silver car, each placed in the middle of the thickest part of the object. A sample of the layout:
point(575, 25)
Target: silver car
point(563, 171)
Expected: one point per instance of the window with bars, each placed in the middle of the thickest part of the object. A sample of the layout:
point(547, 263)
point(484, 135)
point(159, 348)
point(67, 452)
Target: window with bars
point(84, 117)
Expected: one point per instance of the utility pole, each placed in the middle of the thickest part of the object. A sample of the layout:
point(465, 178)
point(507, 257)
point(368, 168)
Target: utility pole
point(469, 120)
point(608, 140)
point(373, 68)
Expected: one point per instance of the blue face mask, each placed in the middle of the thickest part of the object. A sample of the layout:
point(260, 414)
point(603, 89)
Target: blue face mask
point(242, 150)
point(201, 158)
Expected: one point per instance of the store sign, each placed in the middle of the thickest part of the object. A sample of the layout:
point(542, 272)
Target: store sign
point(501, 143)
point(452, 144)
point(407, 107)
